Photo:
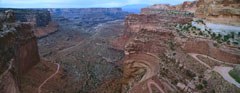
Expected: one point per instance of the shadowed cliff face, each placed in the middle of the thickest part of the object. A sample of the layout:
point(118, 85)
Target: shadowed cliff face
point(18, 50)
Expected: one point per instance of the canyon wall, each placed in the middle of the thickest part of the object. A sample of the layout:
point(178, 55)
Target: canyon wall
point(88, 17)
point(149, 39)
point(189, 6)
point(186, 8)
point(219, 11)
point(135, 23)
point(216, 11)
point(207, 47)
point(18, 50)
point(40, 19)
point(156, 53)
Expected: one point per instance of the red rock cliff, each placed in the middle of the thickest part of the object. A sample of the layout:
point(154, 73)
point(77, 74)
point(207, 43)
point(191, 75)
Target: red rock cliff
point(219, 11)
point(18, 51)
point(40, 19)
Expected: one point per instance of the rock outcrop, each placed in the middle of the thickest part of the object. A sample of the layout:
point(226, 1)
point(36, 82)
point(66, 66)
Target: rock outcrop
point(40, 19)
point(149, 38)
point(18, 50)
point(188, 8)
point(206, 47)
point(157, 56)
point(219, 11)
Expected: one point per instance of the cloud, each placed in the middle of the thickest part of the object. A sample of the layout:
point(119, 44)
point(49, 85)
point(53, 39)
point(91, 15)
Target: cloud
point(79, 3)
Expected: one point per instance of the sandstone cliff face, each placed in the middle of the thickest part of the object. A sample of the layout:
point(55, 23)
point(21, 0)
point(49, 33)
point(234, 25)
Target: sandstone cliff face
point(149, 39)
point(40, 19)
point(18, 50)
point(135, 23)
point(158, 55)
point(207, 48)
point(219, 11)
point(187, 6)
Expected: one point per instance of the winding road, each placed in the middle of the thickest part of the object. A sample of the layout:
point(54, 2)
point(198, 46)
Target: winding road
point(39, 88)
point(150, 63)
point(223, 71)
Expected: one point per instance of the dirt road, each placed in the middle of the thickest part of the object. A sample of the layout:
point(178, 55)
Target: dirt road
point(45, 81)
point(222, 70)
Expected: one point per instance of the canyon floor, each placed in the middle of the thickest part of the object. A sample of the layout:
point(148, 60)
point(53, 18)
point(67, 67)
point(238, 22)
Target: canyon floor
point(193, 47)
point(141, 54)
point(87, 59)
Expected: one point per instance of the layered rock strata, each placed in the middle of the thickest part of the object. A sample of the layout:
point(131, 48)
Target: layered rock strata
point(40, 19)
point(18, 50)
point(219, 11)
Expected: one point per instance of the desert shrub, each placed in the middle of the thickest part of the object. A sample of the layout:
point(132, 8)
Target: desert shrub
point(235, 75)
point(226, 37)
point(199, 21)
point(228, 42)
point(171, 45)
point(213, 35)
point(199, 86)
point(232, 34)
point(235, 43)
point(201, 33)
point(190, 73)
point(213, 91)
point(204, 82)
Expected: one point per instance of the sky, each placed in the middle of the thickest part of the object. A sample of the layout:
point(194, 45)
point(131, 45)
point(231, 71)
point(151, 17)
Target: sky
point(81, 3)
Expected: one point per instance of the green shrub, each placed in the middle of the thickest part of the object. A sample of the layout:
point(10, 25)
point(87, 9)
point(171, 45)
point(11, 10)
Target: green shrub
point(235, 75)
point(226, 38)
point(232, 34)
point(235, 43)
point(199, 86)
point(213, 35)
point(201, 33)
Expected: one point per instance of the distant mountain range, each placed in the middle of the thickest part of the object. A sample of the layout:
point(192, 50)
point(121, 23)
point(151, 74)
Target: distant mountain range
point(134, 8)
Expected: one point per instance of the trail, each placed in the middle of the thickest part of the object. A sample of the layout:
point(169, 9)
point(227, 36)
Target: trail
point(223, 71)
point(39, 88)
point(10, 67)
point(195, 57)
point(149, 83)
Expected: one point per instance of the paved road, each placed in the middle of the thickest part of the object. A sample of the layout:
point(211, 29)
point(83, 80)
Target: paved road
point(223, 71)
point(39, 88)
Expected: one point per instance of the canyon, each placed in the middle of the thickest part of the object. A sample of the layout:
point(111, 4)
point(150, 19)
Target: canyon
point(164, 49)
